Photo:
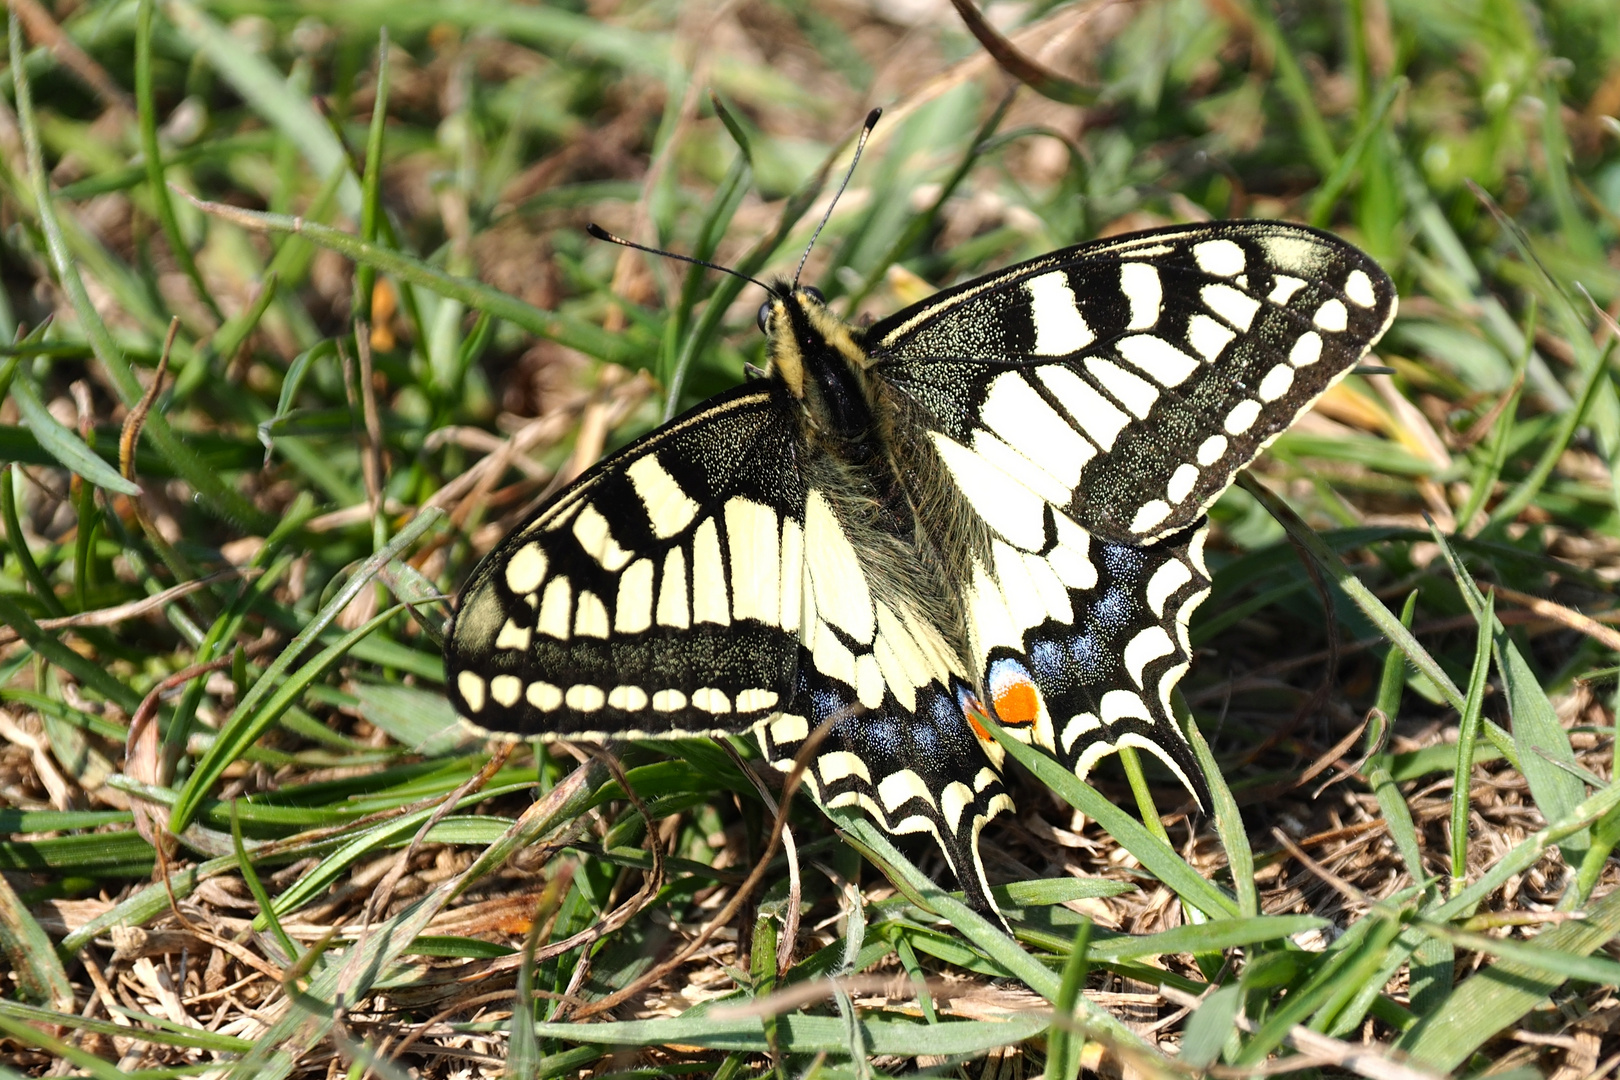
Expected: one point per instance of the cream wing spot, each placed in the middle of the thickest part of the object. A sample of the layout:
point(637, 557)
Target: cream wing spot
point(1283, 288)
point(1359, 288)
point(841, 594)
point(1211, 450)
point(1208, 336)
point(1181, 482)
point(1128, 388)
point(633, 610)
point(513, 636)
point(556, 609)
point(472, 689)
point(1100, 419)
point(711, 700)
point(1149, 516)
point(1307, 350)
point(756, 700)
point(1276, 383)
point(590, 616)
point(835, 765)
point(1236, 307)
point(756, 564)
point(526, 569)
point(1014, 411)
point(673, 610)
point(709, 600)
point(583, 697)
point(952, 801)
point(544, 696)
point(627, 698)
point(869, 681)
point(1060, 329)
point(1140, 284)
point(667, 506)
point(596, 540)
point(1164, 582)
point(1146, 647)
point(899, 788)
point(1242, 417)
point(1158, 359)
point(787, 729)
point(1220, 257)
point(1332, 316)
point(668, 701)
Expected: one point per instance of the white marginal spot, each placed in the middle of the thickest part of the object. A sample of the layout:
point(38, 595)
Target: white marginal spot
point(1237, 308)
point(1283, 288)
point(526, 569)
point(544, 696)
point(1276, 383)
point(756, 562)
point(1071, 559)
point(628, 698)
point(899, 788)
point(1164, 582)
point(1149, 516)
point(513, 636)
point(1195, 551)
point(709, 601)
point(556, 609)
point(590, 616)
point(1158, 359)
point(952, 801)
point(1078, 726)
point(633, 609)
point(756, 700)
point(788, 729)
point(1307, 350)
point(1222, 257)
point(711, 700)
point(1146, 647)
point(1359, 288)
point(1131, 738)
point(583, 697)
point(834, 765)
point(1117, 705)
point(1128, 388)
point(1019, 415)
point(672, 606)
point(1100, 419)
point(1211, 450)
point(841, 594)
point(596, 540)
point(1181, 482)
point(668, 507)
point(984, 778)
point(1060, 329)
point(1242, 417)
point(1018, 515)
point(868, 681)
point(668, 701)
point(1332, 316)
point(472, 688)
point(1208, 336)
point(1140, 284)
point(1093, 754)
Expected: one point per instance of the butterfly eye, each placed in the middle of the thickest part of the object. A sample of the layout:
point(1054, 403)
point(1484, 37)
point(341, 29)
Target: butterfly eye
point(815, 294)
point(765, 317)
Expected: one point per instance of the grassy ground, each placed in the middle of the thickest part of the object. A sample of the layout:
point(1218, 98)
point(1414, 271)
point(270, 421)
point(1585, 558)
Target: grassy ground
point(237, 826)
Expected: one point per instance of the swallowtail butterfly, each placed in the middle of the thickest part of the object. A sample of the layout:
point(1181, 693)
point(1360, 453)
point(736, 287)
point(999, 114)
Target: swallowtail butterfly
point(991, 503)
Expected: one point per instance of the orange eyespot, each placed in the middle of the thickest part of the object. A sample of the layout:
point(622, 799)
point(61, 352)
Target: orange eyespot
point(1017, 702)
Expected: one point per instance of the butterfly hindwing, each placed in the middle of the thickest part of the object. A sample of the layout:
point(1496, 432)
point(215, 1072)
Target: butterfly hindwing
point(657, 595)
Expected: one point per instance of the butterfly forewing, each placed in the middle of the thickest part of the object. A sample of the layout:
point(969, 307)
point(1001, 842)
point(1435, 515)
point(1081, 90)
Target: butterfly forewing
point(1139, 375)
point(657, 595)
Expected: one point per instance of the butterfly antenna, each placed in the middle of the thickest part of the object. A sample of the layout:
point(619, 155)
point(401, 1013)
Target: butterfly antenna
point(860, 144)
point(602, 234)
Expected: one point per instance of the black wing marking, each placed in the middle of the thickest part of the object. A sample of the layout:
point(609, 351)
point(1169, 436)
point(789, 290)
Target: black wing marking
point(656, 596)
point(1127, 381)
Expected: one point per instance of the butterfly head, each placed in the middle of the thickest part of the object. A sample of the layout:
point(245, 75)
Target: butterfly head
point(812, 351)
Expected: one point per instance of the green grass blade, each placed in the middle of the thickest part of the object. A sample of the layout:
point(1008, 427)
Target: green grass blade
point(1467, 734)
